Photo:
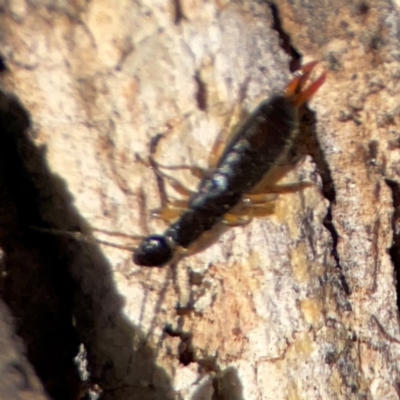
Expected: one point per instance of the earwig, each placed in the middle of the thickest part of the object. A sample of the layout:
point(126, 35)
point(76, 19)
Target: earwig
point(261, 146)
point(262, 143)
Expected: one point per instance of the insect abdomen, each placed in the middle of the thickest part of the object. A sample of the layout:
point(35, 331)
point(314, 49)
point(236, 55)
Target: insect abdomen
point(262, 143)
point(262, 140)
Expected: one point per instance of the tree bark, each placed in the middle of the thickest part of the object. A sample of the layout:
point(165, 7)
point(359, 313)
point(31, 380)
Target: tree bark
point(301, 304)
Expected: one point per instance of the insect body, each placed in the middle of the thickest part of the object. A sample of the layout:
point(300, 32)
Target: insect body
point(262, 143)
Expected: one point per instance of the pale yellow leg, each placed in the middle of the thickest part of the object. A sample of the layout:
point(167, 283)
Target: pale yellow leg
point(216, 151)
point(172, 211)
point(288, 187)
point(226, 134)
point(258, 198)
point(237, 220)
point(167, 214)
point(263, 210)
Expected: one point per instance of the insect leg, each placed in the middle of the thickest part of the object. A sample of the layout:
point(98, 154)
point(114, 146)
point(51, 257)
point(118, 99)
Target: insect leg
point(258, 198)
point(166, 204)
point(262, 210)
point(171, 211)
point(196, 171)
point(176, 185)
point(252, 205)
point(247, 212)
point(231, 219)
point(217, 149)
point(230, 128)
point(286, 188)
point(223, 138)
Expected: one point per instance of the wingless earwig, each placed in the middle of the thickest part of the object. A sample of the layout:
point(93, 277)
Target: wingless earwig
point(261, 145)
point(263, 142)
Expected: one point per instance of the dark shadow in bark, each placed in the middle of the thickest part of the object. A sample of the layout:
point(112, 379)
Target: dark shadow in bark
point(394, 250)
point(61, 292)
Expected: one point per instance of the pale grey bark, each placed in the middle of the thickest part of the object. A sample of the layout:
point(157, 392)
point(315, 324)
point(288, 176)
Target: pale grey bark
point(285, 307)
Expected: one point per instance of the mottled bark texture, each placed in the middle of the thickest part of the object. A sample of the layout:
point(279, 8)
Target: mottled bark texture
point(298, 305)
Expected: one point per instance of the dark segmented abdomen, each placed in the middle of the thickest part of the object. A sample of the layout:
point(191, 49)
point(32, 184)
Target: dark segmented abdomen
point(261, 143)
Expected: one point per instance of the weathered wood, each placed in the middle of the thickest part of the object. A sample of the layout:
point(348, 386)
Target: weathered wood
point(298, 305)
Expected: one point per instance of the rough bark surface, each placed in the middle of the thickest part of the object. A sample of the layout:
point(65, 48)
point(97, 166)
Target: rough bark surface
point(17, 378)
point(301, 304)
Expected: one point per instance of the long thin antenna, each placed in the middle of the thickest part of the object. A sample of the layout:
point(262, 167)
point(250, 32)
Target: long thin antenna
point(82, 237)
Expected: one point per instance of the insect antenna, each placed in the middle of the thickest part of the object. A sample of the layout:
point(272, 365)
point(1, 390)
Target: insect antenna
point(81, 237)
